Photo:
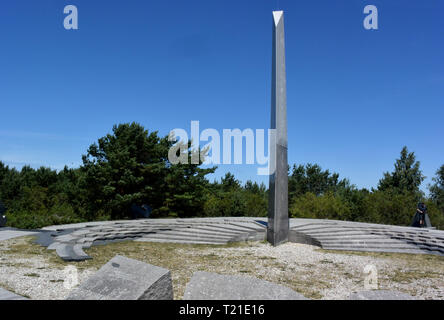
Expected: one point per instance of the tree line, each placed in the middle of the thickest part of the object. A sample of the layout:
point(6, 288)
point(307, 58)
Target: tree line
point(130, 166)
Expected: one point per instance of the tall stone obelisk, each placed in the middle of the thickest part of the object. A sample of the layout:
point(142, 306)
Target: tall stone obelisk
point(278, 222)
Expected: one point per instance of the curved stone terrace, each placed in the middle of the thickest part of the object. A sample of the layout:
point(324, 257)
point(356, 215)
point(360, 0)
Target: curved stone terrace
point(70, 240)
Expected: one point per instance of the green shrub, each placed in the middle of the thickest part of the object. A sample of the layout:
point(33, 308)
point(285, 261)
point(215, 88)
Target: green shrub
point(256, 205)
point(23, 219)
point(435, 214)
point(389, 207)
point(227, 204)
point(326, 206)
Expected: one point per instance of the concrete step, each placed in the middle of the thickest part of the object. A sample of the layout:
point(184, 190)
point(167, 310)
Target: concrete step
point(352, 237)
point(429, 247)
point(234, 228)
point(216, 226)
point(248, 226)
point(319, 228)
point(195, 235)
point(398, 245)
point(370, 244)
point(212, 231)
point(218, 230)
point(338, 234)
point(180, 242)
point(334, 230)
point(422, 242)
point(116, 236)
point(367, 249)
point(179, 238)
point(388, 250)
point(400, 233)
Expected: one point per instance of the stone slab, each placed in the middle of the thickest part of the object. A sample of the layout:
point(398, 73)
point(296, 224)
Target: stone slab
point(380, 295)
point(66, 252)
point(10, 233)
point(122, 278)
point(70, 252)
point(212, 286)
point(6, 295)
point(54, 245)
point(45, 238)
point(80, 254)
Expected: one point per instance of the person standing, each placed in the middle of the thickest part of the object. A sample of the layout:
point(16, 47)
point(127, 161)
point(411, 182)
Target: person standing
point(421, 218)
point(422, 210)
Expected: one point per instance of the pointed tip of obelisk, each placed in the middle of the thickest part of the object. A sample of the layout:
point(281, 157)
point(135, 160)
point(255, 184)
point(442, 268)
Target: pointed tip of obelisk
point(277, 16)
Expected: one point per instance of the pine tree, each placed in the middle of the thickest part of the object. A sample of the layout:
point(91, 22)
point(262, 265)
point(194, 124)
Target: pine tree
point(407, 176)
point(130, 166)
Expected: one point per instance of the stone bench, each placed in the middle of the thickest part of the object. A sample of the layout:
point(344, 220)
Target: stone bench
point(212, 286)
point(126, 279)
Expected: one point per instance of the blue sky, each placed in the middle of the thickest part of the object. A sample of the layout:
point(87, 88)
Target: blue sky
point(355, 97)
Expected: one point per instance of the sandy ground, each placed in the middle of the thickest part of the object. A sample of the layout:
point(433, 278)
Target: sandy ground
point(32, 271)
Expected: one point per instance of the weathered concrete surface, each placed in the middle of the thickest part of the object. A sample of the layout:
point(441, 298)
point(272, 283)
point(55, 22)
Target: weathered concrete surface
point(278, 223)
point(126, 279)
point(10, 233)
point(380, 295)
point(212, 286)
point(6, 295)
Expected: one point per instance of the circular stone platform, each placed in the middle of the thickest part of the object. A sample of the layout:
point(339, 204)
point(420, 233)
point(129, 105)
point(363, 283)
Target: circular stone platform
point(70, 240)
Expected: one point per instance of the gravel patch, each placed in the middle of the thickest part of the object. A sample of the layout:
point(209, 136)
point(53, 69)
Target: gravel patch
point(32, 271)
point(34, 276)
point(36, 279)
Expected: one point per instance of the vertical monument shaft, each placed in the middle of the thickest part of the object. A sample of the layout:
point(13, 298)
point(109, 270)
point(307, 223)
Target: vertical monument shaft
point(278, 222)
